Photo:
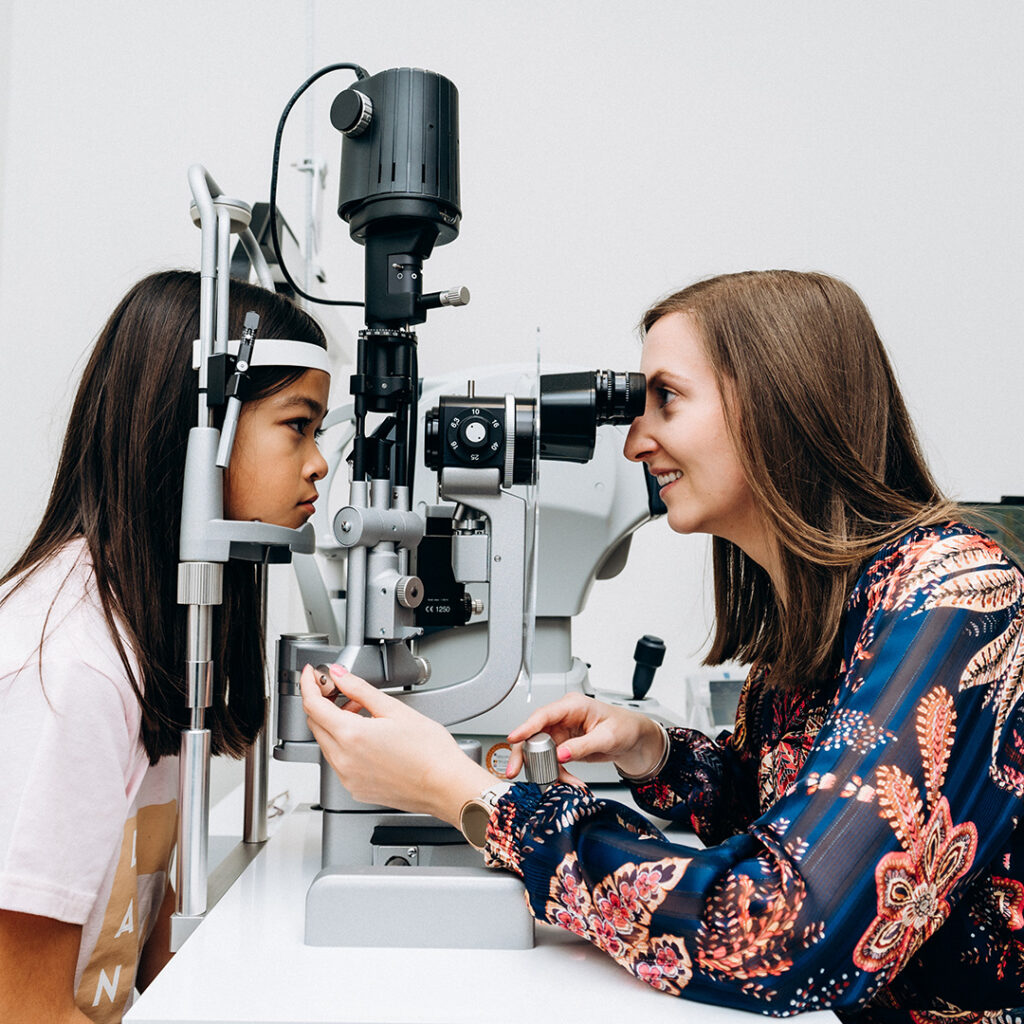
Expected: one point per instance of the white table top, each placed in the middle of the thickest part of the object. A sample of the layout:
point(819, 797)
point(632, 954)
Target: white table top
point(247, 961)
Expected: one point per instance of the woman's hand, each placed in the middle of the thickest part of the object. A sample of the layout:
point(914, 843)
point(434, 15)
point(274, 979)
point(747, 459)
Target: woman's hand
point(585, 729)
point(396, 757)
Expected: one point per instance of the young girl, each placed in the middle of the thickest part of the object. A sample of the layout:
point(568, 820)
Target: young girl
point(92, 646)
point(861, 823)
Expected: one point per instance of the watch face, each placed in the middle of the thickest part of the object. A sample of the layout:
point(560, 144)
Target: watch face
point(473, 822)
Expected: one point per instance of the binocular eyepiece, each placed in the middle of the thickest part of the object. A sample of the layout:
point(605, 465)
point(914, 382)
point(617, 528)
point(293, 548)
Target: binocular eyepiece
point(507, 432)
point(573, 405)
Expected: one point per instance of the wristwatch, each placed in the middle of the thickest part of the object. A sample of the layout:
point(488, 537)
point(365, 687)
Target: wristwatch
point(476, 813)
point(655, 770)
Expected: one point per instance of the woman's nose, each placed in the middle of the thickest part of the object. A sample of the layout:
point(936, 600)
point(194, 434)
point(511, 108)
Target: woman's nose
point(638, 441)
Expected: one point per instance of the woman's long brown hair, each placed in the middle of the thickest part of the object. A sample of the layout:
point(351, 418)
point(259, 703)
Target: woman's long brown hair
point(828, 449)
point(119, 486)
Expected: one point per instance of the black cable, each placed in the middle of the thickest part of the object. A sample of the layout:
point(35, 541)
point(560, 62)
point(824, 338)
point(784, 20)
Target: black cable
point(361, 73)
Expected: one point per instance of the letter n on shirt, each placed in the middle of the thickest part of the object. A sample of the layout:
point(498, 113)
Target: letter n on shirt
point(105, 991)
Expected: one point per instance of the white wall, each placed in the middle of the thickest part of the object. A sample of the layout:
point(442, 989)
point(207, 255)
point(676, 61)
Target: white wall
point(610, 153)
point(5, 65)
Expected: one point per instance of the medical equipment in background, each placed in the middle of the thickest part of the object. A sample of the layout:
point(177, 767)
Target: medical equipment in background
point(438, 604)
point(586, 512)
point(208, 540)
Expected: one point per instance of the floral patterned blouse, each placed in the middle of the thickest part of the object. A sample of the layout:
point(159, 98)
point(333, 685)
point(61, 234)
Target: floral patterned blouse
point(863, 847)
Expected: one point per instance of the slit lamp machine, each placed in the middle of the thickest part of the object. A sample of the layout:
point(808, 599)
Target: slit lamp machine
point(451, 584)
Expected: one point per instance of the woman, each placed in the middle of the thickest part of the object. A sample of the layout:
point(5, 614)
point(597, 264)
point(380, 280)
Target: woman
point(862, 849)
point(92, 647)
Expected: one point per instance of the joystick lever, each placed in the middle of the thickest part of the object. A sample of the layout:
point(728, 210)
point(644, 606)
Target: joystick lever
point(648, 655)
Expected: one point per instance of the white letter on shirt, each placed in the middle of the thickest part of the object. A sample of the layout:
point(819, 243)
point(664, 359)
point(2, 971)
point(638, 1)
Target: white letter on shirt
point(106, 985)
point(127, 924)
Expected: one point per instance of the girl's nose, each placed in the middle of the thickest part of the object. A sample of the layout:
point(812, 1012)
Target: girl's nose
point(317, 466)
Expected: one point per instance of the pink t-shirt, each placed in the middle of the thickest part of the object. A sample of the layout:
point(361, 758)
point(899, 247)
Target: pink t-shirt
point(87, 826)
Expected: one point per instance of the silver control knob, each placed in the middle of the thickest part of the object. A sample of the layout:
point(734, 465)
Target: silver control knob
point(455, 297)
point(540, 760)
point(409, 591)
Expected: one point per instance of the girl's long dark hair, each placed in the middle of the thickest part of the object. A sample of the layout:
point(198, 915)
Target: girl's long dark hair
point(119, 486)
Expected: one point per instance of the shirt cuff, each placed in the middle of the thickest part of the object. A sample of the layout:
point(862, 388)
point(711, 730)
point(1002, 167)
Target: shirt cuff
point(508, 821)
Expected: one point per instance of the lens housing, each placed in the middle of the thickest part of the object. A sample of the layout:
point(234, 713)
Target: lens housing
point(473, 432)
point(470, 431)
point(574, 405)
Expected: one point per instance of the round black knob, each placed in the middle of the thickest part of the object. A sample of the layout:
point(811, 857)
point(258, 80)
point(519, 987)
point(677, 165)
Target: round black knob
point(650, 650)
point(351, 112)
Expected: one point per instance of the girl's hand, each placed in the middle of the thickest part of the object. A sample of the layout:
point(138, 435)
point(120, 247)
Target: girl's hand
point(585, 729)
point(396, 756)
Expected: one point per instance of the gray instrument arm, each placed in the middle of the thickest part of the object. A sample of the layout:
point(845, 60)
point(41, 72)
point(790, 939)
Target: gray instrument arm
point(204, 191)
point(316, 600)
point(479, 489)
point(203, 188)
point(339, 429)
point(257, 259)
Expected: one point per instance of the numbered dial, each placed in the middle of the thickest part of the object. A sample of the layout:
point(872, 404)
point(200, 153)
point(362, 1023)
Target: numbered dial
point(475, 435)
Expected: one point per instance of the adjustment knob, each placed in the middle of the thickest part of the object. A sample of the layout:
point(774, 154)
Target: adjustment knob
point(475, 436)
point(351, 112)
point(540, 760)
point(473, 431)
point(455, 297)
point(409, 591)
point(422, 669)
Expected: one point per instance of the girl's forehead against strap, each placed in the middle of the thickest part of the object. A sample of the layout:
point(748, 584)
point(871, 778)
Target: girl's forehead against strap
point(277, 352)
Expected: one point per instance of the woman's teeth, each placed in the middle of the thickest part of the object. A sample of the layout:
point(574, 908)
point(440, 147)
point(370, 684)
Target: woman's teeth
point(664, 479)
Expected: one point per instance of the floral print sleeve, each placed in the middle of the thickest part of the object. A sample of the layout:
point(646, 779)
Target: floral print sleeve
point(718, 787)
point(709, 785)
point(886, 881)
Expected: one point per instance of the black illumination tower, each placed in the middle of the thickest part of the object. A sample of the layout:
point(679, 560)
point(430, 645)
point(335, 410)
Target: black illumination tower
point(400, 196)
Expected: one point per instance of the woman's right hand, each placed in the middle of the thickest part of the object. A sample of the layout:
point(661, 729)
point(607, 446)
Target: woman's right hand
point(585, 729)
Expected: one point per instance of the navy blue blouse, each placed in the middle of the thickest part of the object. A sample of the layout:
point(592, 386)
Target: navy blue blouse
point(863, 848)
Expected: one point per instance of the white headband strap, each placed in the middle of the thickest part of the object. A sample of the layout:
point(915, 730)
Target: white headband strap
point(276, 352)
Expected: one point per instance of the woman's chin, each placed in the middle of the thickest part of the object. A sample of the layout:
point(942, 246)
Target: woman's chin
point(682, 521)
point(685, 522)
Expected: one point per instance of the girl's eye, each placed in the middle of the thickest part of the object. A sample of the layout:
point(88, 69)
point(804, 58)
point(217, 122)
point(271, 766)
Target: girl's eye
point(302, 425)
point(665, 396)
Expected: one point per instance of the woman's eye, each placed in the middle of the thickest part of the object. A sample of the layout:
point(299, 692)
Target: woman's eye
point(665, 396)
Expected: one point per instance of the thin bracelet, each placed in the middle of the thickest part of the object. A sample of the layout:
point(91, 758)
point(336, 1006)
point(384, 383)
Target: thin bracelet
point(658, 765)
